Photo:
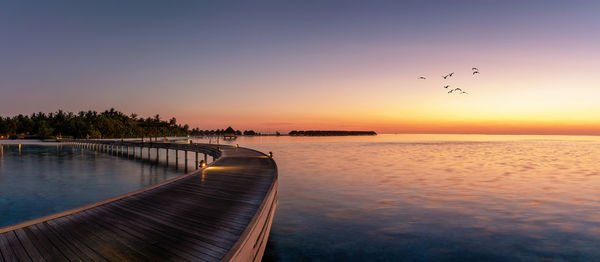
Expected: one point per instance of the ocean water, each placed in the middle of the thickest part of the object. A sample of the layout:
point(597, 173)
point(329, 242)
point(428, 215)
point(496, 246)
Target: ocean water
point(375, 198)
point(39, 180)
point(435, 198)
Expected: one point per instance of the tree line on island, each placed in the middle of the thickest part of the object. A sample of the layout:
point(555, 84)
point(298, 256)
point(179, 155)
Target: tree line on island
point(114, 124)
point(331, 133)
point(92, 124)
point(220, 132)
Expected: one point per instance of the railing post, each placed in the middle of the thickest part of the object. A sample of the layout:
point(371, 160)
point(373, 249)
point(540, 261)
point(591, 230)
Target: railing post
point(196, 160)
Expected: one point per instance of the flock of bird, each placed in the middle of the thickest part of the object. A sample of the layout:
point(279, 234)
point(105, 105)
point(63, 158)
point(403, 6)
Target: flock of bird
point(474, 70)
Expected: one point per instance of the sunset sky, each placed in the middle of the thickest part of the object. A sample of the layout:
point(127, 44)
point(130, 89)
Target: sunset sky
point(283, 65)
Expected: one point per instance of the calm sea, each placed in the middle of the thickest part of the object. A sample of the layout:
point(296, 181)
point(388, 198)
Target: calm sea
point(382, 198)
point(435, 198)
point(39, 180)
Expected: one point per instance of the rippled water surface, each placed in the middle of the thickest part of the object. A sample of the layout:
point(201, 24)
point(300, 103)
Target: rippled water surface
point(41, 180)
point(435, 198)
point(382, 198)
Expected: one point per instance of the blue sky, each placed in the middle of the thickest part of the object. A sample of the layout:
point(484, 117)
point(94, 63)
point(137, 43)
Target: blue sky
point(304, 63)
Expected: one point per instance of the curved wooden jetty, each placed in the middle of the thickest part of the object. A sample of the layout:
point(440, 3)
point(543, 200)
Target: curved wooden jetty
point(219, 213)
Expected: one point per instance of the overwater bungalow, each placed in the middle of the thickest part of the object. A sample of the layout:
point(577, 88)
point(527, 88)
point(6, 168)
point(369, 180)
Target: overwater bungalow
point(229, 133)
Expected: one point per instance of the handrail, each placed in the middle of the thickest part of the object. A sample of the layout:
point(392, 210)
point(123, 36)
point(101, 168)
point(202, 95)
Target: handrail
point(223, 184)
point(27, 223)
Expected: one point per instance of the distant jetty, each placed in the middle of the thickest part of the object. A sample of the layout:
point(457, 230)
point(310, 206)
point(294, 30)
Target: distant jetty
point(331, 133)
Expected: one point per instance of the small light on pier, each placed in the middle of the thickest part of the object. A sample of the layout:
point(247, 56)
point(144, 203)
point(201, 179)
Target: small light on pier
point(202, 164)
point(270, 154)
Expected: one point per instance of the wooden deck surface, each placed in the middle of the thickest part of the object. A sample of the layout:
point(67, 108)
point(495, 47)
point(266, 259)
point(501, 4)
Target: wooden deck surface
point(207, 215)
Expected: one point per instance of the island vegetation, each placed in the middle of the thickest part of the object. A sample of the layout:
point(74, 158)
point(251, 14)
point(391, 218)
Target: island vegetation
point(115, 124)
point(331, 133)
point(91, 124)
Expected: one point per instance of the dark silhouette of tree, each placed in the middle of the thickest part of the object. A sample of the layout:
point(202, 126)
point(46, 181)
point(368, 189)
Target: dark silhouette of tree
point(108, 124)
point(331, 133)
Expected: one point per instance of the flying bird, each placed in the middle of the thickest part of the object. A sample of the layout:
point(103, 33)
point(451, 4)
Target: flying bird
point(446, 86)
point(421, 77)
point(446, 76)
point(451, 74)
point(475, 72)
point(457, 89)
point(475, 68)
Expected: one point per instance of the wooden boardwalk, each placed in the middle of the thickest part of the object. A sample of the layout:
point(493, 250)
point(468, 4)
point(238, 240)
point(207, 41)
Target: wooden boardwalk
point(219, 213)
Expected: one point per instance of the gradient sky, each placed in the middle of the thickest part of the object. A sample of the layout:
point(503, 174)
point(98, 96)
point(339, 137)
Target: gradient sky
point(283, 65)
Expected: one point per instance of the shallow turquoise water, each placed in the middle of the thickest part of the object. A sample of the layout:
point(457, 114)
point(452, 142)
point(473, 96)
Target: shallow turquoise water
point(435, 198)
point(41, 180)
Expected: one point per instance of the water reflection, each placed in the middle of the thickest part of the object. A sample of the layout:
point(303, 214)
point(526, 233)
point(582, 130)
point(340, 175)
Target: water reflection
point(435, 198)
point(47, 179)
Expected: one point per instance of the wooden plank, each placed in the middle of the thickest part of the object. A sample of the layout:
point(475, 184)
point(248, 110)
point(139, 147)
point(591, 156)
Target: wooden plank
point(249, 247)
point(134, 250)
point(231, 198)
point(131, 238)
point(72, 248)
point(28, 245)
point(7, 253)
point(208, 201)
point(216, 220)
point(184, 219)
point(16, 246)
point(48, 249)
point(152, 238)
point(73, 238)
point(178, 240)
point(214, 246)
point(195, 217)
point(112, 249)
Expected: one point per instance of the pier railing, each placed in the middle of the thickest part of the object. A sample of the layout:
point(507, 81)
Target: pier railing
point(130, 148)
point(222, 212)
